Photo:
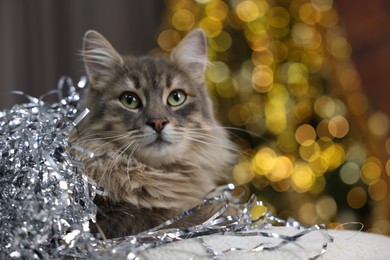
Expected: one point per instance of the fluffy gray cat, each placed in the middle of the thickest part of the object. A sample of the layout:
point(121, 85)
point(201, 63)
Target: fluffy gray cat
point(158, 149)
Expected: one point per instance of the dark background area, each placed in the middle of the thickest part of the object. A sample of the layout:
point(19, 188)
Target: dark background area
point(40, 40)
point(367, 24)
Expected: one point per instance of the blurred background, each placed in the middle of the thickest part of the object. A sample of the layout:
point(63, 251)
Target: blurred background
point(304, 82)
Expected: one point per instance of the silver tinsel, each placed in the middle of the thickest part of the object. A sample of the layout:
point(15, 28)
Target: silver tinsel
point(46, 202)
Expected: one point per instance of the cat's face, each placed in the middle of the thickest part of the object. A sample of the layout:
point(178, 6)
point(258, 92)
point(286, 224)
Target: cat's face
point(151, 108)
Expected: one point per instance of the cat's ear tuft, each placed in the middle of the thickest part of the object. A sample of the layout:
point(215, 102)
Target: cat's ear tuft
point(191, 54)
point(100, 59)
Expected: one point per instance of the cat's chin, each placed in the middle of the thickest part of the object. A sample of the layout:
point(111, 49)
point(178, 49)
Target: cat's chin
point(158, 154)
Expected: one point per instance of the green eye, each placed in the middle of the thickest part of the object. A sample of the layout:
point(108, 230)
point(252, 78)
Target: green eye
point(176, 98)
point(130, 100)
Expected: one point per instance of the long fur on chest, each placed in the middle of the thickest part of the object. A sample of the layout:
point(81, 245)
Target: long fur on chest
point(180, 185)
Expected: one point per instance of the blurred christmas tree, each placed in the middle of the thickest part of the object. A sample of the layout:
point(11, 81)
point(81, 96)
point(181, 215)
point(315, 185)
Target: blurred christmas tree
point(281, 70)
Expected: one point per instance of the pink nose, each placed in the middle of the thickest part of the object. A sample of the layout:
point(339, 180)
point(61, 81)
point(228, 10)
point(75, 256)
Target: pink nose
point(157, 124)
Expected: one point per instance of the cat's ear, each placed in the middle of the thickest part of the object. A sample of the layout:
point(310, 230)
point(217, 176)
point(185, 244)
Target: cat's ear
point(191, 54)
point(100, 59)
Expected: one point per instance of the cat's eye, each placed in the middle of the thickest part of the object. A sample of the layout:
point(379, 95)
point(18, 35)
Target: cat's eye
point(176, 98)
point(130, 100)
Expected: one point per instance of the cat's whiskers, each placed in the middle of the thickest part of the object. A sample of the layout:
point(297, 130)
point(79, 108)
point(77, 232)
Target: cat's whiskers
point(206, 139)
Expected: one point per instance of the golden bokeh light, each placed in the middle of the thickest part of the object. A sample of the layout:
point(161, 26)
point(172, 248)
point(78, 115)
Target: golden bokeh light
point(217, 10)
point(168, 39)
point(264, 161)
point(211, 26)
point(378, 190)
point(307, 213)
point(378, 124)
point(278, 17)
point(183, 20)
point(302, 178)
point(371, 171)
point(218, 72)
point(243, 173)
point(309, 14)
point(326, 207)
point(323, 5)
point(262, 78)
point(305, 135)
point(357, 197)
point(338, 126)
point(247, 11)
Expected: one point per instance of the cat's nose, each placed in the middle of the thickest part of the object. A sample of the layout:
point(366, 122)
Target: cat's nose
point(157, 124)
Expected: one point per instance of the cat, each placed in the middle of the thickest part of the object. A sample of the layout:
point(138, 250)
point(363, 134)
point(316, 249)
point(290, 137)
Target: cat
point(158, 149)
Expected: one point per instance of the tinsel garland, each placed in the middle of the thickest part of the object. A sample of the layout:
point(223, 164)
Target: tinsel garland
point(46, 201)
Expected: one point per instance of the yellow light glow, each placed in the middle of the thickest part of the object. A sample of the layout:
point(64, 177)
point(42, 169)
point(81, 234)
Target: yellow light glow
point(279, 50)
point(259, 41)
point(314, 60)
point(258, 26)
point(263, 57)
point(319, 163)
point(211, 26)
point(378, 190)
point(247, 11)
point(325, 107)
point(278, 17)
point(282, 169)
point(217, 72)
point(307, 213)
point(339, 47)
point(183, 20)
point(335, 155)
point(378, 124)
point(286, 141)
point(239, 115)
point(168, 39)
point(322, 5)
point(388, 167)
point(306, 151)
point(297, 73)
point(357, 197)
point(227, 88)
point(371, 170)
point(309, 14)
point(338, 126)
point(302, 178)
point(303, 110)
point(275, 118)
point(262, 78)
point(326, 207)
point(318, 186)
point(221, 42)
point(264, 161)
point(303, 34)
point(278, 95)
point(305, 135)
point(217, 9)
point(329, 18)
point(243, 173)
point(282, 185)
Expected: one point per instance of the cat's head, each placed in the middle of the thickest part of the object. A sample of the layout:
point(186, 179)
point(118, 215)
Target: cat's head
point(155, 109)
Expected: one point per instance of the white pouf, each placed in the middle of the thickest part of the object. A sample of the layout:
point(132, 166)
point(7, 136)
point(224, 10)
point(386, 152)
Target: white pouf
point(345, 245)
